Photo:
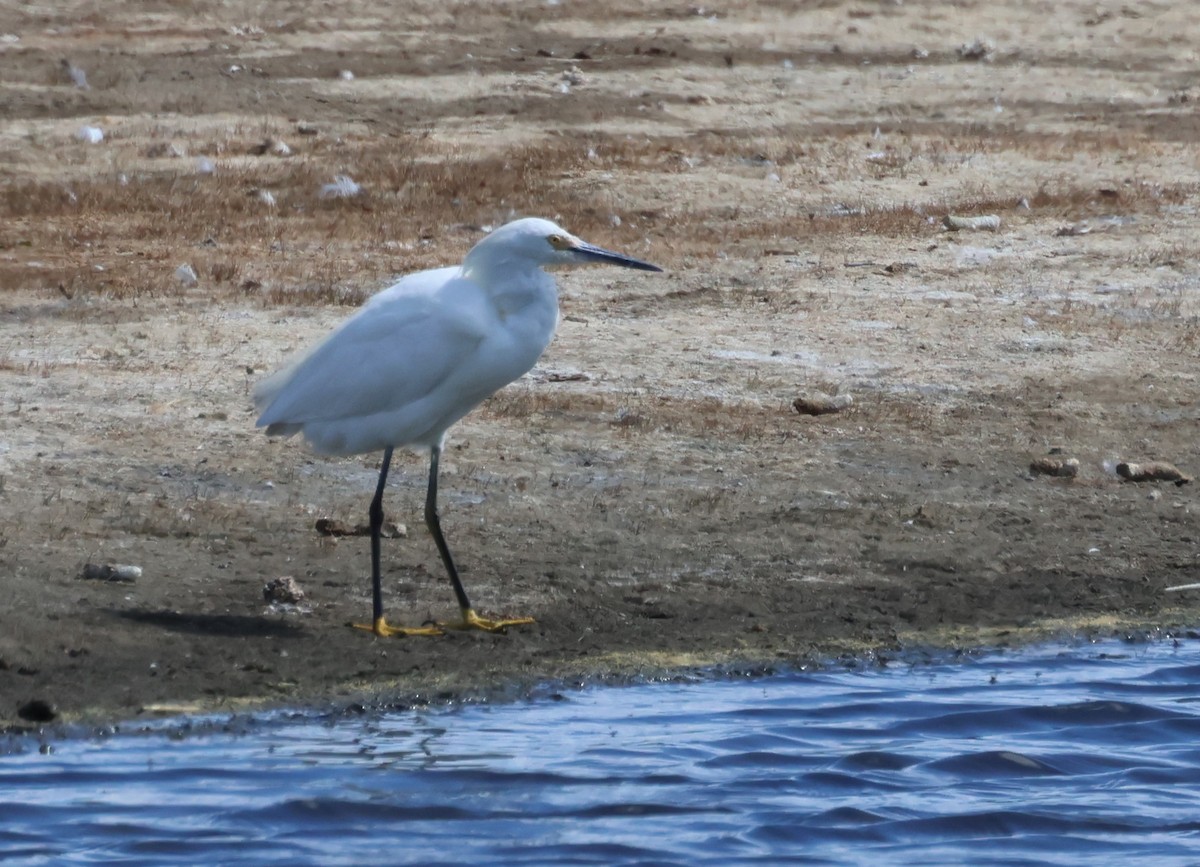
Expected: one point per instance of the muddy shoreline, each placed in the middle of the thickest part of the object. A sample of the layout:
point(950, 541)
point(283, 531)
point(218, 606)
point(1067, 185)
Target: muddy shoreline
point(329, 702)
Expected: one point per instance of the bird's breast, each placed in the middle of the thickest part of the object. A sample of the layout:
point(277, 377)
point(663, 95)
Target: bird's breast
point(528, 317)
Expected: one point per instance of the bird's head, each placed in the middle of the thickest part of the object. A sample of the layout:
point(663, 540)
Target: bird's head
point(541, 242)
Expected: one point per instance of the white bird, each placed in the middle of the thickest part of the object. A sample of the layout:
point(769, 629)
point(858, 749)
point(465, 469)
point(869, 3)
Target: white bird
point(418, 357)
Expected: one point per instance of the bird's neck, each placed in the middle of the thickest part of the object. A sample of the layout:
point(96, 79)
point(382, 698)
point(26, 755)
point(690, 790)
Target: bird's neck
point(511, 282)
point(486, 265)
point(523, 296)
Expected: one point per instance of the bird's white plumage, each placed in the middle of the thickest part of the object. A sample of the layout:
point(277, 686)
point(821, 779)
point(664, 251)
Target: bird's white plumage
point(418, 357)
point(424, 352)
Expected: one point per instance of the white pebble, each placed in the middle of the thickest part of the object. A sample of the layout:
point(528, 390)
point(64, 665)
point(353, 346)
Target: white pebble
point(980, 49)
point(186, 275)
point(986, 223)
point(90, 134)
point(343, 187)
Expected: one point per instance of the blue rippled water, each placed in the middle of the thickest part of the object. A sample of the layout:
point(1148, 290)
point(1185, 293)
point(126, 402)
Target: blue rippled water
point(1047, 756)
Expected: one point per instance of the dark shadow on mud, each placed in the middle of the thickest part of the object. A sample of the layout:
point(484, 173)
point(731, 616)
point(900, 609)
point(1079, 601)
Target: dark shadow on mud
point(228, 625)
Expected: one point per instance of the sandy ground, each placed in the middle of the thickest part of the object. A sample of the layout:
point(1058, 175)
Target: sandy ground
point(649, 493)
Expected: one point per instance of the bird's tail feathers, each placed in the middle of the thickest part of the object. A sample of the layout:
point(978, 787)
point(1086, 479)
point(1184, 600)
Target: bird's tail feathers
point(265, 390)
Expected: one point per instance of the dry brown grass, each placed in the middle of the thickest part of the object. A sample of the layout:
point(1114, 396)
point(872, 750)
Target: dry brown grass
point(123, 233)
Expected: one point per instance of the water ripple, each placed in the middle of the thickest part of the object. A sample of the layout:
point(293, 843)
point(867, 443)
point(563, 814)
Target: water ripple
point(1049, 756)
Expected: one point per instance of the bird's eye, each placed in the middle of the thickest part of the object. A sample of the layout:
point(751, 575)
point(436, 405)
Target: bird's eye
point(558, 242)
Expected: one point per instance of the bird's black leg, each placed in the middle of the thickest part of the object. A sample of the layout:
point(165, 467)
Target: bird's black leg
point(470, 620)
point(435, 529)
point(376, 516)
point(379, 624)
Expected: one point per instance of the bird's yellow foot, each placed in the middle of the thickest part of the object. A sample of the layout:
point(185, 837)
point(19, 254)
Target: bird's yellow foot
point(471, 620)
point(381, 628)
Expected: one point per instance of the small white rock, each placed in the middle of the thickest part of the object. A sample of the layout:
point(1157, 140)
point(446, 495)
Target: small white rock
point(285, 591)
point(90, 134)
point(186, 275)
point(985, 223)
point(345, 75)
point(111, 572)
point(980, 49)
point(204, 166)
point(343, 187)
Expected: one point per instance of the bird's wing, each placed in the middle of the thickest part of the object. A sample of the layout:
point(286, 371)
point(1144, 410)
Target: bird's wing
point(404, 342)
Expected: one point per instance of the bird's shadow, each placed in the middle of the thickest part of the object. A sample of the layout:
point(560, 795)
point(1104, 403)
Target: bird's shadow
point(225, 625)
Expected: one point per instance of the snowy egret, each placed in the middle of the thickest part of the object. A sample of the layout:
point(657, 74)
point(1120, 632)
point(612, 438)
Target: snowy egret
point(417, 358)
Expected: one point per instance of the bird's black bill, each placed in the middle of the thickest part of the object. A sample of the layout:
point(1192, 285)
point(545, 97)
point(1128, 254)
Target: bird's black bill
point(592, 253)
